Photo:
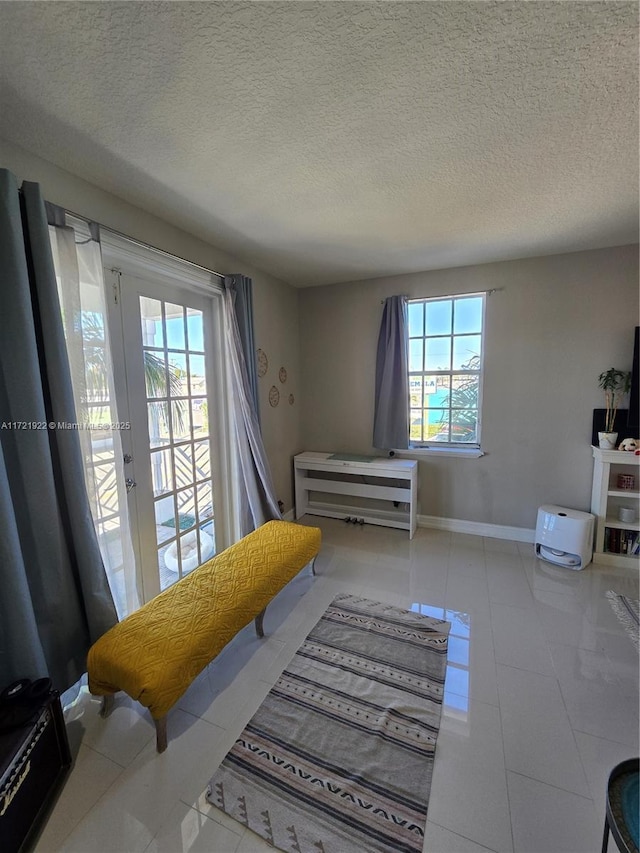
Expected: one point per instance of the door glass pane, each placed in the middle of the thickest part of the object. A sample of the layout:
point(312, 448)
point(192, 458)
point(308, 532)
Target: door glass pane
point(106, 489)
point(198, 383)
point(183, 455)
point(166, 536)
point(151, 320)
point(185, 554)
point(178, 379)
point(158, 418)
point(199, 415)
point(96, 371)
point(181, 469)
point(98, 416)
point(200, 548)
point(195, 330)
point(207, 539)
point(175, 326)
point(205, 505)
point(161, 472)
point(165, 517)
point(186, 508)
point(180, 420)
point(155, 373)
point(202, 460)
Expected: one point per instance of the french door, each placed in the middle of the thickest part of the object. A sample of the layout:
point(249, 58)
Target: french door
point(167, 331)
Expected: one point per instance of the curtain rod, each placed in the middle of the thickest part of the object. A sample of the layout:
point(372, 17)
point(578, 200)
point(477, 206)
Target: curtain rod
point(146, 245)
point(448, 295)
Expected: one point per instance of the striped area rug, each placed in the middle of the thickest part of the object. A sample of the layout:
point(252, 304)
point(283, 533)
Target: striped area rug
point(628, 612)
point(339, 756)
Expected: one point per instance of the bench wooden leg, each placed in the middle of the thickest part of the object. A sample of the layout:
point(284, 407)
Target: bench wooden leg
point(161, 734)
point(107, 705)
point(258, 622)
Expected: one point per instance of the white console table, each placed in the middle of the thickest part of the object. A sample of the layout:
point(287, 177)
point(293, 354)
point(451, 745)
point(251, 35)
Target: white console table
point(355, 477)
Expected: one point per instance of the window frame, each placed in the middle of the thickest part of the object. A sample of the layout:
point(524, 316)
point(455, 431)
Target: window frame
point(458, 448)
point(121, 254)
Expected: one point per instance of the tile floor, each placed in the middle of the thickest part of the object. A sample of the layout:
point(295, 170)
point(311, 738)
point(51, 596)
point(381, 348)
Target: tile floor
point(541, 702)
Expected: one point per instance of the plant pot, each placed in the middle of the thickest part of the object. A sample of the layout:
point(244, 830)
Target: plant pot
point(607, 440)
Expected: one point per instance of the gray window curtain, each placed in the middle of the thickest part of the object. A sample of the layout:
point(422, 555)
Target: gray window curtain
point(242, 289)
point(54, 595)
point(258, 498)
point(391, 415)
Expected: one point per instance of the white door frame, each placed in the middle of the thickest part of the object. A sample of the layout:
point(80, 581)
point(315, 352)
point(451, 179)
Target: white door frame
point(124, 258)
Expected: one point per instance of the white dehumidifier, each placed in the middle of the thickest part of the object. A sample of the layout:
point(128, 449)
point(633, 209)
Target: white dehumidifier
point(564, 537)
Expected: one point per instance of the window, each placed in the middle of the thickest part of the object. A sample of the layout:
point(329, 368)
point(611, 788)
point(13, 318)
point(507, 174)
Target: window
point(445, 370)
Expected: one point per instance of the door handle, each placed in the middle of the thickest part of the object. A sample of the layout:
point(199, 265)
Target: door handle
point(130, 484)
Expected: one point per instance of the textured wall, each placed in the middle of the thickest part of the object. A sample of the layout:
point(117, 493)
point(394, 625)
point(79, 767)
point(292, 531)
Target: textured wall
point(275, 303)
point(556, 323)
point(276, 311)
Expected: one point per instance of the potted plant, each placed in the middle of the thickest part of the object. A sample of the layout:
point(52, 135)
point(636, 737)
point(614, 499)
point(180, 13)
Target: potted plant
point(615, 384)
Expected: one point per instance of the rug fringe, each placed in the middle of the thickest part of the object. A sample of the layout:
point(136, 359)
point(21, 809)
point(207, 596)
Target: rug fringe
point(628, 620)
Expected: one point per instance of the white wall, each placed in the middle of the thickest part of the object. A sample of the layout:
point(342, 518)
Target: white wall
point(553, 326)
point(275, 303)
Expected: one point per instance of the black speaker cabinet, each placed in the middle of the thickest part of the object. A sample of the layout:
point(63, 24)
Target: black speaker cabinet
point(34, 760)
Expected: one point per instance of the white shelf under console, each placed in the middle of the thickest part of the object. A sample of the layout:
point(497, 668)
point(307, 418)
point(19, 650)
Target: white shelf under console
point(606, 499)
point(391, 482)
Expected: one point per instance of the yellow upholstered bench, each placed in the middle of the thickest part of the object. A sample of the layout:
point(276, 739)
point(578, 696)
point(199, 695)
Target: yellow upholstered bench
point(155, 653)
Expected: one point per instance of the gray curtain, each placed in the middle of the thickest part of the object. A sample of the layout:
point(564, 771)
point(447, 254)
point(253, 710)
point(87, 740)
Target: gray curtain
point(259, 502)
point(54, 595)
point(242, 289)
point(391, 416)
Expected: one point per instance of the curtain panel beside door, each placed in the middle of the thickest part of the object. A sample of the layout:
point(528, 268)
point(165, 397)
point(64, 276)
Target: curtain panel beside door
point(258, 502)
point(55, 599)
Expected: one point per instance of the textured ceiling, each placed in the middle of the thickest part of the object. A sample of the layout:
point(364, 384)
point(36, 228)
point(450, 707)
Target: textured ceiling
point(332, 141)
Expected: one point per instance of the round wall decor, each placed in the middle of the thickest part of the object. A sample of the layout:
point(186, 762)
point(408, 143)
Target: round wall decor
point(262, 362)
point(282, 375)
point(274, 396)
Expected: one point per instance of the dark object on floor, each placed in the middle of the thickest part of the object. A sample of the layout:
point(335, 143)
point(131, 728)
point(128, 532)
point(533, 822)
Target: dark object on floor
point(20, 701)
point(621, 817)
point(34, 760)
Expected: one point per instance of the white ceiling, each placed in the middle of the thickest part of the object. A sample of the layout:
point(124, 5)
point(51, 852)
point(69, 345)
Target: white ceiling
point(333, 141)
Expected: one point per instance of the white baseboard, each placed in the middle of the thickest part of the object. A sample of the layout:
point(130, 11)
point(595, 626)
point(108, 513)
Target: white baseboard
point(290, 516)
point(477, 528)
